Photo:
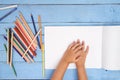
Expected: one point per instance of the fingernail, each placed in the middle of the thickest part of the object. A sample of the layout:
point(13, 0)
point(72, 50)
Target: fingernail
point(73, 42)
point(83, 42)
point(78, 40)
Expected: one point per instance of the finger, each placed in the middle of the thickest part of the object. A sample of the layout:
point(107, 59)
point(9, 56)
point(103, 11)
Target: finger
point(78, 41)
point(78, 49)
point(87, 50)
point(77, 54)
point(75, 46)
point(77, 59)
point(71, 45)
point(83, 44)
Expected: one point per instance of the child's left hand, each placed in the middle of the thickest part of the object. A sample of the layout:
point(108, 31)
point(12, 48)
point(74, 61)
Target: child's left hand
point(71, 55)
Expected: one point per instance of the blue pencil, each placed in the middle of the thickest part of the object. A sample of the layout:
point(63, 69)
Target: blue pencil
point(14, 48)
point(8, 14)
point(20, 42)
point(35, 30)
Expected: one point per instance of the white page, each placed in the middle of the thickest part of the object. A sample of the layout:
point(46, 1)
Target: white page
point(111, 48)
point(57, 39)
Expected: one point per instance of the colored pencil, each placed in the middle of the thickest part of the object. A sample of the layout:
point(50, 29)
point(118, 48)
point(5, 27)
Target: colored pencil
point(8, 46)
point(8, 7)
point(24, 33)
point(42, 46)
point(7, 14)
point(35, 30)
point(5, 47)
point(11, 41)
point(40, 27)
point(24, 47)
point(21, 37)
point(18, 47)
point(14, 48)
point(13, 68)
point(32, 42)
point(43, 61)
point(27, 26)
point(23, 50)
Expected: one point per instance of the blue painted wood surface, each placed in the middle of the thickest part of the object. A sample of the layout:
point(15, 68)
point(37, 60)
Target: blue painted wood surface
point(60, 2)
point(68, 13)
point(57, 13)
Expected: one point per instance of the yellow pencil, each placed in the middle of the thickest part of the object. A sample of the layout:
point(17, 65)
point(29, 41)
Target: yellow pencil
point(43, 61)
point(42, 47)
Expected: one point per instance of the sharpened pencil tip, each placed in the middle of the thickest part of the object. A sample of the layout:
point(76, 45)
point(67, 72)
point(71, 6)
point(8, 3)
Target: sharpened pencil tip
point(31, 14)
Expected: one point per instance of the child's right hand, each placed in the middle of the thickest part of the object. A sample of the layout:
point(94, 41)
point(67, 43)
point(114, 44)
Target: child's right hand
point(84, 53)
point(71, 55)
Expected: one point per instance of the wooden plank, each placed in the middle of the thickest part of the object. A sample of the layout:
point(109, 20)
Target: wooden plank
point(7, 25)
point(3, 41)
point(24, 69)
point(68, 13)
point(4, 26)
point(59, 1)
point(18, 58)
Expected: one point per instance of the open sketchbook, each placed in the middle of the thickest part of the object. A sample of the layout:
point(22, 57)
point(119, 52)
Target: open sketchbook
point(104, 42)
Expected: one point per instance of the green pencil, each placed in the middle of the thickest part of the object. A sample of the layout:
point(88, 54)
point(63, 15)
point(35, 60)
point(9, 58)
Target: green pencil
point(13, 68)
point(5, 48)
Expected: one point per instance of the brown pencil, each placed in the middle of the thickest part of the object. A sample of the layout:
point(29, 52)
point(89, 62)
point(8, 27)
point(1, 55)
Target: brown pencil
point(11, 48)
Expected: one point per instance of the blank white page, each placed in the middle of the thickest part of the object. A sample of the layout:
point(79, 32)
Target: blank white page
point(57, 39)
point(111, 48)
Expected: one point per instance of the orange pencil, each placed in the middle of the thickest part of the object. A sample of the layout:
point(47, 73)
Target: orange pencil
point(27, 26)
point(24, 32)
point(18, 33)
point(23, 49)
point(32, 42)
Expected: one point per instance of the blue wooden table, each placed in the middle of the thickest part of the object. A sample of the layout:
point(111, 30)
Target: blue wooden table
point(57, 13)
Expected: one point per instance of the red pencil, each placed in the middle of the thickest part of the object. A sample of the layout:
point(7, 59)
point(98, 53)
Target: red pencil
point(24, 32)
point(18, 33)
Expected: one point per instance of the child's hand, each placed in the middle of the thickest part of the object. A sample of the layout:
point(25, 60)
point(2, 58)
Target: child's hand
point(71, 54)
point(83, 53)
